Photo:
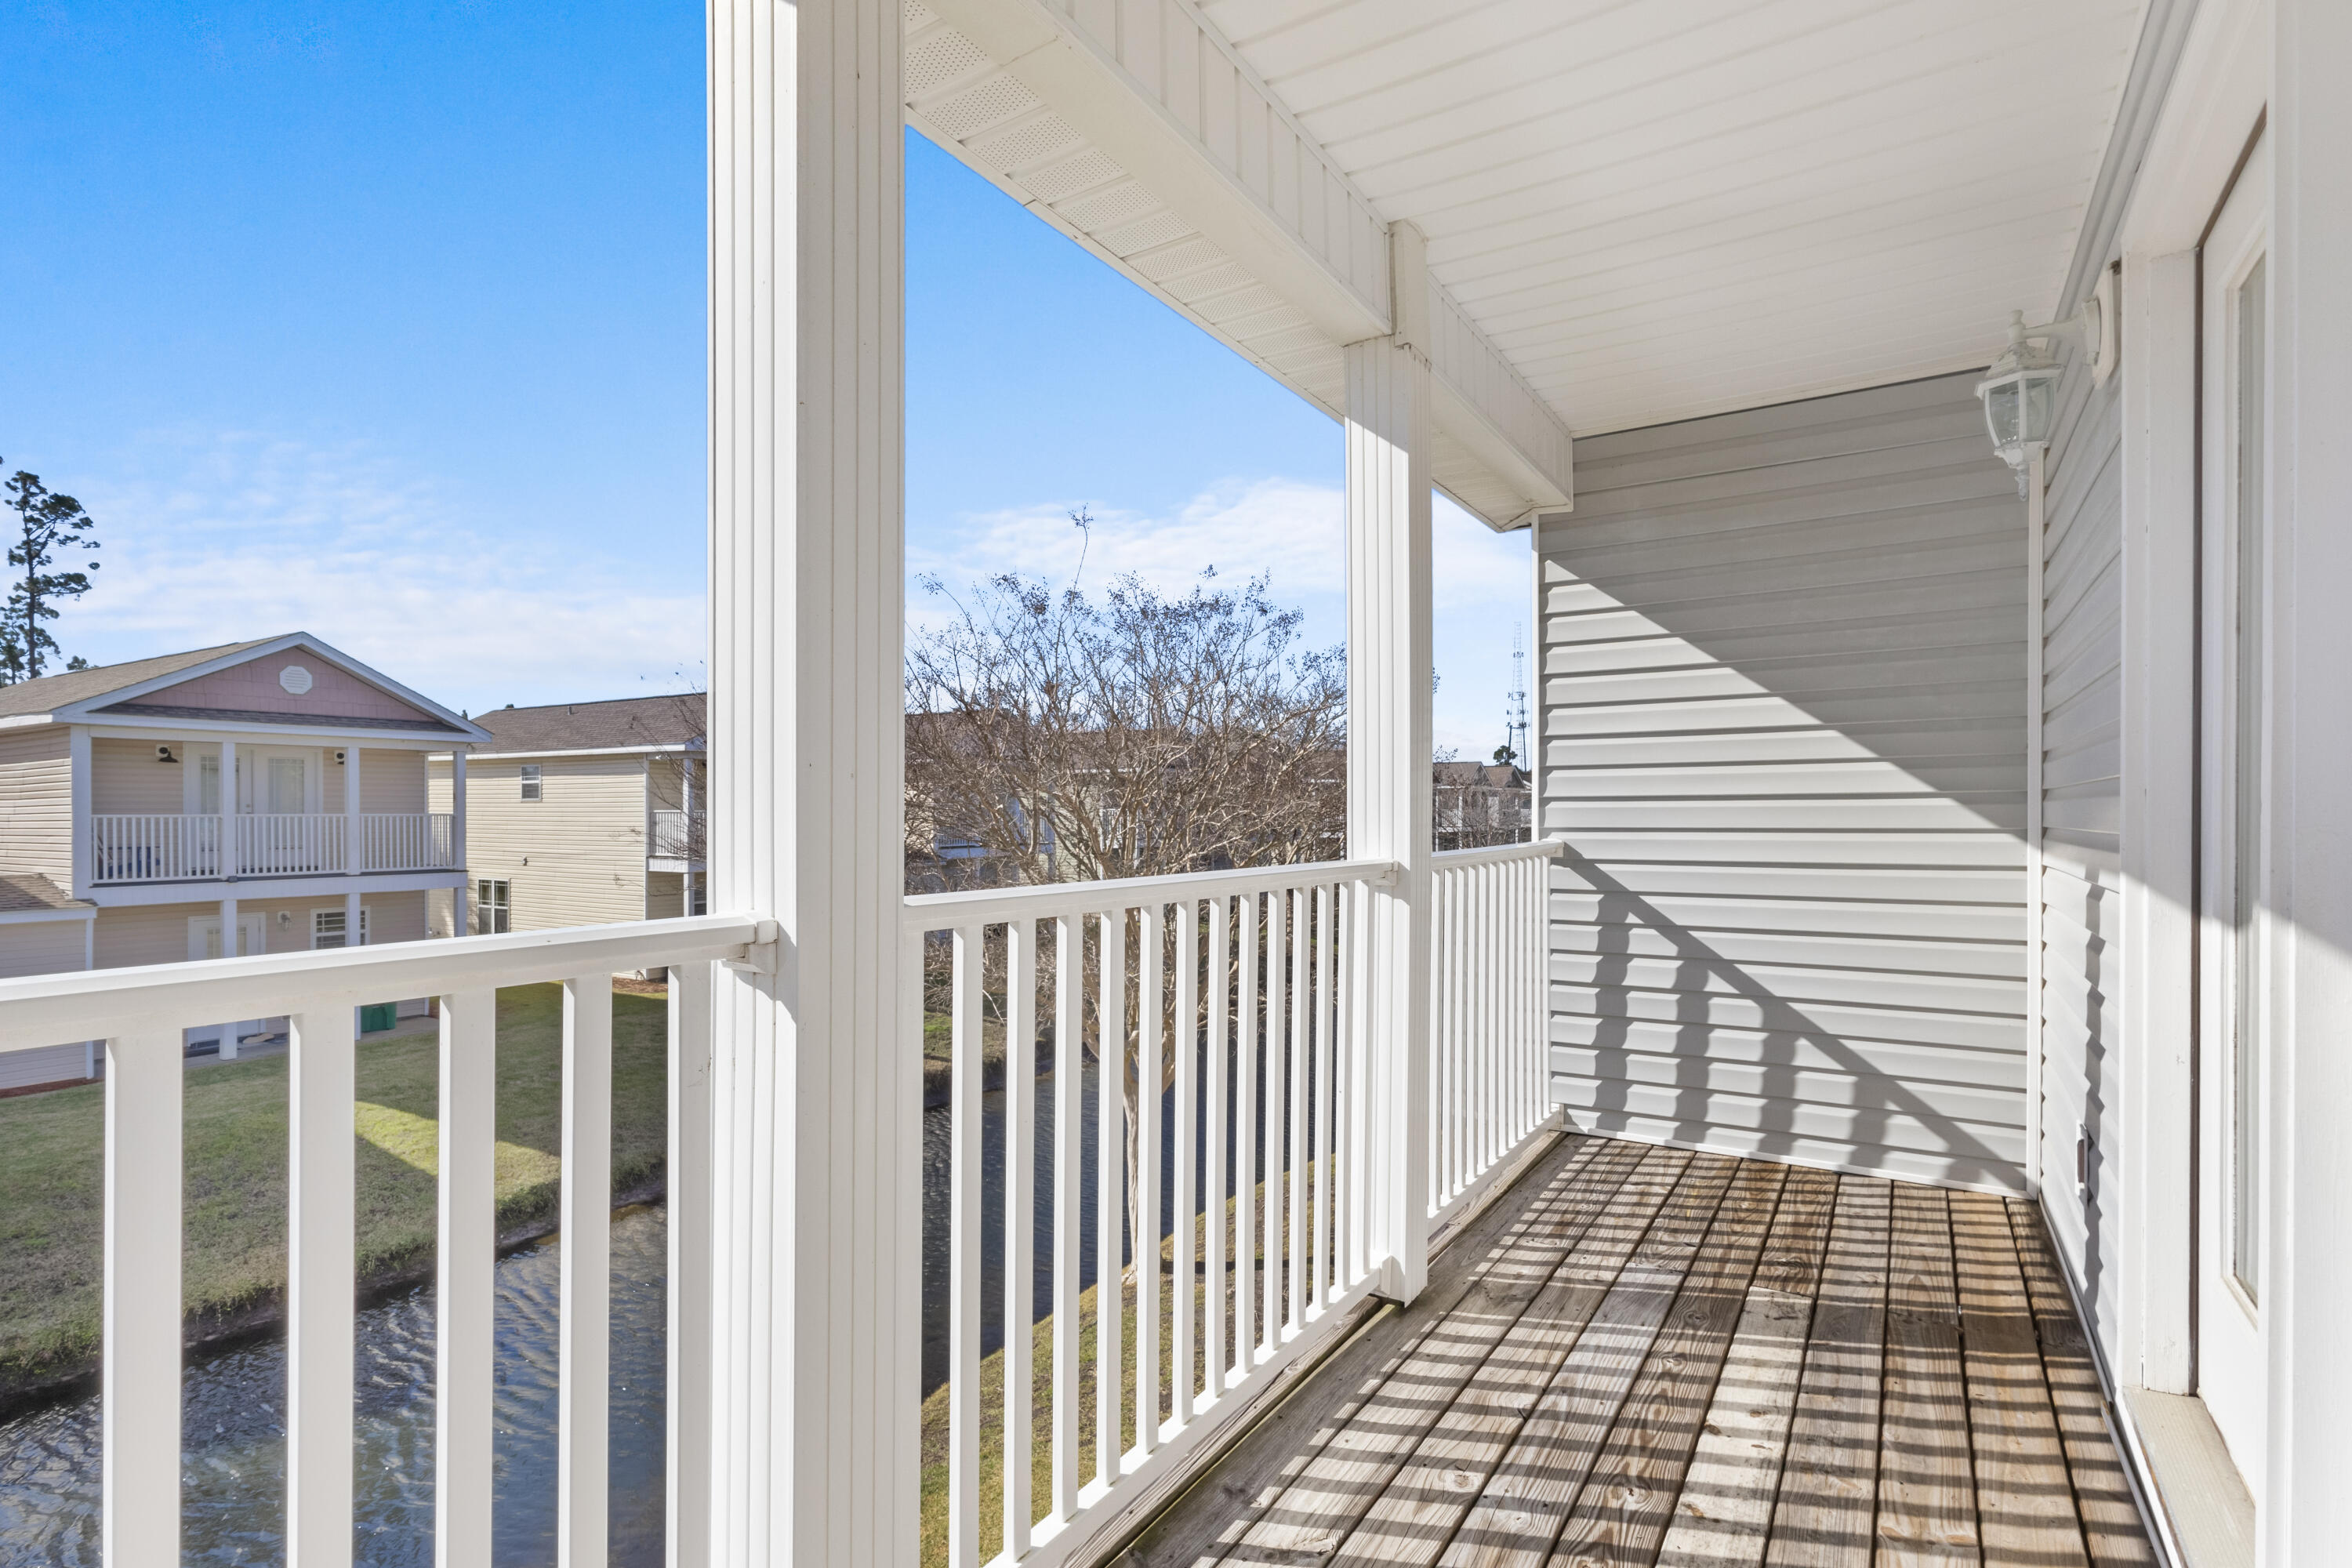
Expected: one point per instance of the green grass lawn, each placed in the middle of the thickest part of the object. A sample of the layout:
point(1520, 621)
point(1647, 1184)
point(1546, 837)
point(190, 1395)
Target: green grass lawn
point(1040, 1440)
point(52, 1171)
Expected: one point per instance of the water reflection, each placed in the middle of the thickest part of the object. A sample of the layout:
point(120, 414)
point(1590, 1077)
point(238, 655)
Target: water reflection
point(233, 1463)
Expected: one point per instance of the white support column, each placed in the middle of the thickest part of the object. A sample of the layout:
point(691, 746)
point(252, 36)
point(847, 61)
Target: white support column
point(77, 755)
point(229, 933)
point(1388, 743)
point(228, 858)
point(352, 861)
point(457, 819)
point(816, 1089)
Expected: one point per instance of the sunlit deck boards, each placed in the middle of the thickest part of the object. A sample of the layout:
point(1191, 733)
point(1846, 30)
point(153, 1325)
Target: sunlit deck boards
point(1642, 1355)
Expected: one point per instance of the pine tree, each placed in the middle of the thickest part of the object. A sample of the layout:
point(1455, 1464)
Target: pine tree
point(47, 523)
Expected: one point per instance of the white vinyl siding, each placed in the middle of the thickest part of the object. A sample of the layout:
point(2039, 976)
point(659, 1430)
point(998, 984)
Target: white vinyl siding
point(37, 802)
point(1783, 728)
point(2082, 830)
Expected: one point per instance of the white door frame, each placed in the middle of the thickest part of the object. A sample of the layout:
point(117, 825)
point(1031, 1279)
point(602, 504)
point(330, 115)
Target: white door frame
point(2238, 991)
point(2217, 100)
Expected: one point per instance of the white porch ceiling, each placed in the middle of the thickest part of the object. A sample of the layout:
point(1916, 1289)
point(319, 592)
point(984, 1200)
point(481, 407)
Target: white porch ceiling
point(1636, 212)
point(1663, 211)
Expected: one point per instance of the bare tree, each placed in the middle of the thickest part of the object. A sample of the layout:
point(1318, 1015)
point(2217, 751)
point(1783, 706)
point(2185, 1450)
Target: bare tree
point(1055, 737)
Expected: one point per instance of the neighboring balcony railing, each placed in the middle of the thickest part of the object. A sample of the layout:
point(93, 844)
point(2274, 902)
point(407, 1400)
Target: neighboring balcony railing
point(677, 835)
point(1246, 994)
point(170, 847)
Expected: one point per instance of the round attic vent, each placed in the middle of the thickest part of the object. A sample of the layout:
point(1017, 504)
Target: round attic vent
point(294, 678)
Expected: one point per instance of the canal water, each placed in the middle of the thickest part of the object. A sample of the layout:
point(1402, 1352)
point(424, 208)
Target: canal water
point(234, 1445)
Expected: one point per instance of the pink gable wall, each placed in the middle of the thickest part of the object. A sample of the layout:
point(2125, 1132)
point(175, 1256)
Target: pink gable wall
point(252, 687)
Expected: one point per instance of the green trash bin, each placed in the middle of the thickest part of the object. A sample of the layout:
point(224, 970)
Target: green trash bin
point(381, 1016)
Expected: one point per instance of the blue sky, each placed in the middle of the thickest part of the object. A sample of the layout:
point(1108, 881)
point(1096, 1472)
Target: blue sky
point(387, 322)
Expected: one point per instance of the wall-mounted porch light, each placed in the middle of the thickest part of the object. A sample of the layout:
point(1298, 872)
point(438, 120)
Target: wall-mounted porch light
point(2021, 388)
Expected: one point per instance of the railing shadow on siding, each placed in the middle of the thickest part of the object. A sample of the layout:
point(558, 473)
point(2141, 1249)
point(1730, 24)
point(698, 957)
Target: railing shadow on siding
point(1784, 1026)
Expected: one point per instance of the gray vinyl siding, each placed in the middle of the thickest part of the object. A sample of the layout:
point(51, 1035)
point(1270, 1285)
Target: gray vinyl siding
point(1783, 716)
point(2081, 740)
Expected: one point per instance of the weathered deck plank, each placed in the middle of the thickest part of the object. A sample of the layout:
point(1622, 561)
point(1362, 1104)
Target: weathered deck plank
point(1829, 1485)
point(1415, 1513)
point(1322, 1504)
point(1627, 1505)
point(1926, 1494)
point(2025, 1500)
point(2113, 1531)
point(1724, 1511)
point(1526, 1501)
point(1649, 1356)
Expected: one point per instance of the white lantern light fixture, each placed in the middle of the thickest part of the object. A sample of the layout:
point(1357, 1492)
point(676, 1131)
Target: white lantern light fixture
point(2021, 388)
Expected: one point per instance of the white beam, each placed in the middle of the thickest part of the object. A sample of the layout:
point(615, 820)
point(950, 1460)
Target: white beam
point(816, 1099)
point(1164, 101)
point(1388, 750)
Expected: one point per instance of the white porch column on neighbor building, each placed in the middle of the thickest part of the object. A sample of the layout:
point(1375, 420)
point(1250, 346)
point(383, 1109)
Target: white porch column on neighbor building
point(351, 859)
point(461, 898)
point(1388, 746)
point(228, 825)
point(815, 1095)
point(78, 765)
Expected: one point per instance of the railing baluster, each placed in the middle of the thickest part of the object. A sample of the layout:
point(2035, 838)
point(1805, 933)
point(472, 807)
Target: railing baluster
point(1020, 1220)
point(584, 1274)
point(1359, 1027)
point(1215, 1214)
point(965, 1073)
point(686, 1516)
point(1185, 1040)
point(1069, 1029)
point(1147, 1180)
point(465, 1299)
point(1277, 908)
point(1110, 1198)
point(1247, 1156)
point(1324, 1091)
point(1301, 993)
point(140, 1381)
point(321, 1280)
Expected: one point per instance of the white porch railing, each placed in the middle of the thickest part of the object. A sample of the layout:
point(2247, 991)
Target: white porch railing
point(408, 841)
point(151, 847)
point(1487, 1045)
point(291, 844)
point(173, 848)
point(677, 835)
point(1245, 993)
point(140, 1014)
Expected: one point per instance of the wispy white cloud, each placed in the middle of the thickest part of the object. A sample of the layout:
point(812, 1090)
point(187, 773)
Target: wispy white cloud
point(216, 537)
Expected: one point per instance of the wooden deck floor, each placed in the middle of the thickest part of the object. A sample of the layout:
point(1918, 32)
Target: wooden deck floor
point(1641, 1355)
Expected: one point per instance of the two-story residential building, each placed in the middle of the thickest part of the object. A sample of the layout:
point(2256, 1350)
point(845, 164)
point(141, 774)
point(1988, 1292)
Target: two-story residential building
point(263, 796)
point(581, 813)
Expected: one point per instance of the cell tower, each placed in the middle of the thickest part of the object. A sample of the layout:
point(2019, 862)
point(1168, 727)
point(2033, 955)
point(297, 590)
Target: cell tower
point(1515, 711)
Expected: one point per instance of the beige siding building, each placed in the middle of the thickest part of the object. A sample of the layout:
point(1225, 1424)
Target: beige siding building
point(581, 813)
point(267, 796)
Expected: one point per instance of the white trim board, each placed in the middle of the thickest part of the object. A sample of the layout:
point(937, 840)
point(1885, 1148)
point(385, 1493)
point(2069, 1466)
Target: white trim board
point(150, 894)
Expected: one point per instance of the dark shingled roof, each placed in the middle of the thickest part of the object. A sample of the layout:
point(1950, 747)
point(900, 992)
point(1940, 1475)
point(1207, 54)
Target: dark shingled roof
point(594, 726)
point(51, 692)
point(21, 890)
